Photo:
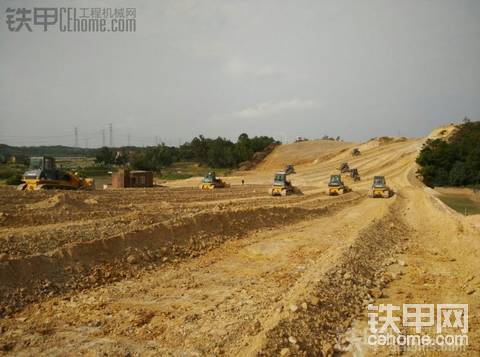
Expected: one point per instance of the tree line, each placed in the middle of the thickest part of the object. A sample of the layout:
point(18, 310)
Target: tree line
point(452, 162)
point(216, 153)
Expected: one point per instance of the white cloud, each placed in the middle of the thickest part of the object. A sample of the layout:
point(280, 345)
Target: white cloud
point(273, 108)
point(236, 68)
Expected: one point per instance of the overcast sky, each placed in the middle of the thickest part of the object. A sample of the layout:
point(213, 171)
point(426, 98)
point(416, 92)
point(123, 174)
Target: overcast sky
point(356, 69)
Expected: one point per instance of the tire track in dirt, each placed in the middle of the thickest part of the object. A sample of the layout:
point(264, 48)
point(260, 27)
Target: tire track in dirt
point(85, 264)
point(212, 304)
point(440, 265)
point(67, 212)
point(302, 271)
point(326, 308)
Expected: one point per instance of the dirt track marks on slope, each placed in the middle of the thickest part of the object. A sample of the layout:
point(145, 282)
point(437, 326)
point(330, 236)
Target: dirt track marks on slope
point(330, 305)
point(211, 304)
point(60, 218)
point(85, 264)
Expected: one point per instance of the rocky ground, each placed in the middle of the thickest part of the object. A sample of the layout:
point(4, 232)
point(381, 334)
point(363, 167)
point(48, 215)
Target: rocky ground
point(174, 271)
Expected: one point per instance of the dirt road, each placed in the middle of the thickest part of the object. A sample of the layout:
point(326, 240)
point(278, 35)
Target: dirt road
point(176, 271)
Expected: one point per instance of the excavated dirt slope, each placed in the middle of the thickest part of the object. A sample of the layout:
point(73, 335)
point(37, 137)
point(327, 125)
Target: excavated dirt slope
point(175, 271)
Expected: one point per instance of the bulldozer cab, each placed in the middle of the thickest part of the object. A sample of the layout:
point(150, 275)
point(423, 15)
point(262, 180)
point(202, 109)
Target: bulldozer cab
point(209, 178)
point(379, 182)
point(335, 180)
point(42, 167)
point(280, 179)
point(42, 163)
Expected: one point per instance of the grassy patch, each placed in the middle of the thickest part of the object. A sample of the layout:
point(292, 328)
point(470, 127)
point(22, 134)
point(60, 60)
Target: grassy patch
point(11, 174)
point(461, 204)
point(184, 170)
point(176, 176)
point(85, 166)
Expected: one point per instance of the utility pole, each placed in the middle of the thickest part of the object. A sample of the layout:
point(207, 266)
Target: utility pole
point(76, 137)
point(128, 139)
point(110, 129)
point(103, 137)
point(86, 142)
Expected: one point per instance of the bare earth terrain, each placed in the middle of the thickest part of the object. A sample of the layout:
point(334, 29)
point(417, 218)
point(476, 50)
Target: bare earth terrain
point(175, 271)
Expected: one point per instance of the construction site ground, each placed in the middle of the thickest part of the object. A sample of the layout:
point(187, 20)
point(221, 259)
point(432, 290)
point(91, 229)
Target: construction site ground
point(176, 271)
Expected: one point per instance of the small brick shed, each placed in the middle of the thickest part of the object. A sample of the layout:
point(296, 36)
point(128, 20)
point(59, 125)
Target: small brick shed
point(126, 178)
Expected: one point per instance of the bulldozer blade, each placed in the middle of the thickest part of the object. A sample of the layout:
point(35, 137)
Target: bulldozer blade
point(22, 187)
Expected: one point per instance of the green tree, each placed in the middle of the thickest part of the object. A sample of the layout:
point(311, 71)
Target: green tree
point(105, 155)
point(455, 161)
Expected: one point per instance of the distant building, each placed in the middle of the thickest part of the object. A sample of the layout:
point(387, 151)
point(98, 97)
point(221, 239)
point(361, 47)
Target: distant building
point(126, 178)
point(141, 178)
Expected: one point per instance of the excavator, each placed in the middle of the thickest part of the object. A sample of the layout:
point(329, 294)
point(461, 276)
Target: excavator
point(336, 186)
point(43, 174)
point(380, 188)
point(211, 181)
point(281, 186)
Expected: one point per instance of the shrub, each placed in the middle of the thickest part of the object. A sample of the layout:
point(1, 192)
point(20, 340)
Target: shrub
point(6, 172)
point(15, 179)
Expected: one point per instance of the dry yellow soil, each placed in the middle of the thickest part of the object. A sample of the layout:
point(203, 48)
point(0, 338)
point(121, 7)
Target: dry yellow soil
point(175, 271)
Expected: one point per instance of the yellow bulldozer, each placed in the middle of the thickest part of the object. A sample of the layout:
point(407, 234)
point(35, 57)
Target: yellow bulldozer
point(380, 188)
point(211, 181)
point(336, 186)
point(281, 186)
point(43, 174)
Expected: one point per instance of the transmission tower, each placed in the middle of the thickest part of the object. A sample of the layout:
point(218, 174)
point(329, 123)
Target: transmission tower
point(110, 129)
point(76, 137)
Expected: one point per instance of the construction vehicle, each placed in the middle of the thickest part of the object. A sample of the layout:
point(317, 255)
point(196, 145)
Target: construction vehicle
point(380, 188)
point(281, 186)
point(211, 181)
point(43, 174)
point(354, 175)
point(336, 186)
point(289, 169)
point(355, 152)
point(344, 167)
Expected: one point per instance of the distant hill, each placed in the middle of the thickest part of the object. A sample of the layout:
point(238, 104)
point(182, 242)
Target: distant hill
point(53, 150)
point(304, 152)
